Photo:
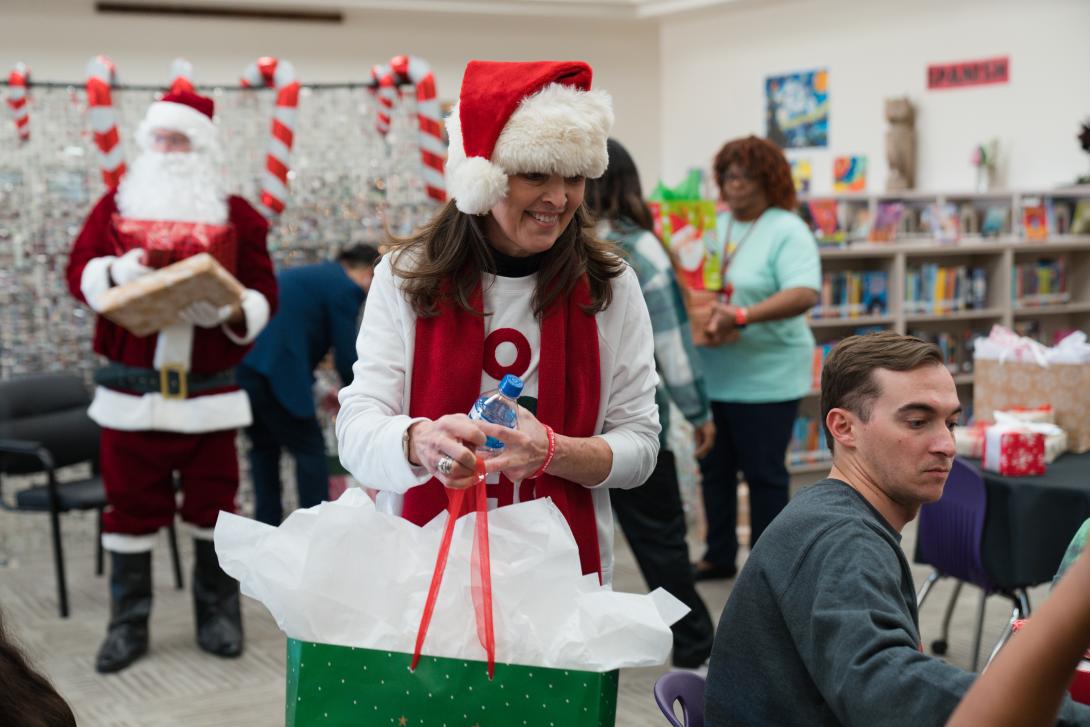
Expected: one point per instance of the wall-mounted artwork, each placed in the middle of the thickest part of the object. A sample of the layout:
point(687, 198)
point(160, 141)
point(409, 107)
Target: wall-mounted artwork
point(797, 109)
point(801, 174)
point(849, 174)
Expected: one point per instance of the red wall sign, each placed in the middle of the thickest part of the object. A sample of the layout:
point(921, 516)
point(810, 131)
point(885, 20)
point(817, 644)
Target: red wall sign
point(969, 73)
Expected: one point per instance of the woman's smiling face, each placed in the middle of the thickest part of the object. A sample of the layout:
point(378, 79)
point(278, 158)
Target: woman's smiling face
point(536, 210)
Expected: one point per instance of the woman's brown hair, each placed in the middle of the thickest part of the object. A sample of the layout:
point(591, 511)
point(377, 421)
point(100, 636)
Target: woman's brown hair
point(27, 698)
point(765, 163)
point(446, 257)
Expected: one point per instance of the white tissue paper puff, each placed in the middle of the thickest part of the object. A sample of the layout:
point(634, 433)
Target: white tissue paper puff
point(1003, 344)
point(344, 573)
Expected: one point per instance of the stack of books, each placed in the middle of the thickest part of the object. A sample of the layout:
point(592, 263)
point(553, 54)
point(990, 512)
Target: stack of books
point(852, 294)
point(933, 288)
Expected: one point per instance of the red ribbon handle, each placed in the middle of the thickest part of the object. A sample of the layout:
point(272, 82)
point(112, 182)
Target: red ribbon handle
point(480, 568)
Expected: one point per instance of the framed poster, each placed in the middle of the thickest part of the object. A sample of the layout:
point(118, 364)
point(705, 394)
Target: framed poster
point(797, 109)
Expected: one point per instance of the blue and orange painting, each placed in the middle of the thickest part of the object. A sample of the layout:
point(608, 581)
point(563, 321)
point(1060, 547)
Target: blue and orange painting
point(797, 111)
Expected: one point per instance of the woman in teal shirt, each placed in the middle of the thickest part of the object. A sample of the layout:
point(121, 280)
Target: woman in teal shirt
point(758, 355)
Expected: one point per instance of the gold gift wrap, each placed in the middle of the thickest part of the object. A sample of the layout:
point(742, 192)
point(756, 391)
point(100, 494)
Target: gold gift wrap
point(151, 303)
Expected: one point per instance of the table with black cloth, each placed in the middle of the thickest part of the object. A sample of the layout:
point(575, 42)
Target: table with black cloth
point(1030, 520)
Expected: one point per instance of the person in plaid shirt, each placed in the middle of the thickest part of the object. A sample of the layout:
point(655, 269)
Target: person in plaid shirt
point(651, 516)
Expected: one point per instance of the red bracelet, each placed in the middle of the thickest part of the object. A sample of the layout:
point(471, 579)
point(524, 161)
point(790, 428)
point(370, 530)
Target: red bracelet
point(548, 455)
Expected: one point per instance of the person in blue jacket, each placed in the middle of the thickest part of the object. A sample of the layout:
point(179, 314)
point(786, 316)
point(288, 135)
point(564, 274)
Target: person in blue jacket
point(319, 309)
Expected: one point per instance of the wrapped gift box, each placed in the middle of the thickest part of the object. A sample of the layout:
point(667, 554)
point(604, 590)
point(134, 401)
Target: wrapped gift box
point(1042, 414)
point(151, 303)
point(166, 242)
point(969, 440)
point(1014, 452)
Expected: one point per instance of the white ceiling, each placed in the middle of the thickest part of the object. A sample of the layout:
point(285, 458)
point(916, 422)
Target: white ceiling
point(605, 9)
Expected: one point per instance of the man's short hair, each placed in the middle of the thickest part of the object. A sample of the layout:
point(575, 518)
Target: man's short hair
point(846, 378)
point(358, 256)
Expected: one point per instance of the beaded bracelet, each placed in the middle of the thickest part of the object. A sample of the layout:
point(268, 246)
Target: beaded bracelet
point(548, 455)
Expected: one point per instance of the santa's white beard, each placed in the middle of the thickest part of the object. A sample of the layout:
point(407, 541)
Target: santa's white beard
point(184, 187)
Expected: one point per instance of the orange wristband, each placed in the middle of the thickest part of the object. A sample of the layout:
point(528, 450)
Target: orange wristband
point(741, 317)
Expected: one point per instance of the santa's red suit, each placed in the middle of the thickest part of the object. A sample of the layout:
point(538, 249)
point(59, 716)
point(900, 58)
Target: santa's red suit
point(147, 435)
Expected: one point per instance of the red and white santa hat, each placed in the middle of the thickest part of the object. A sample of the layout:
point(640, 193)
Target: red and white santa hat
point(514, 118)
point(182, 111)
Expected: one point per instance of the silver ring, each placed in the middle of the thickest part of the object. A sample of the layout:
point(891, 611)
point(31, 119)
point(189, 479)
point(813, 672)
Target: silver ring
point(445, 465)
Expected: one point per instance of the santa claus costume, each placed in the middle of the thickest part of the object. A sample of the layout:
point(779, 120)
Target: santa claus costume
point(586, 374)
point(167, 402)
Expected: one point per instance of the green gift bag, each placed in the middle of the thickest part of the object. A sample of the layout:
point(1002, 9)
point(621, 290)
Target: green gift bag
point(341, 686)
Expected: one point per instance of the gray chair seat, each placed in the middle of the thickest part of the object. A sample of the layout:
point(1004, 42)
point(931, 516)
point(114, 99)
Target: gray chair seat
point(81, 495)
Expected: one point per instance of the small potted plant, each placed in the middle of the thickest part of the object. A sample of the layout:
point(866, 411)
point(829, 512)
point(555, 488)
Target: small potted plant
point(983, 158)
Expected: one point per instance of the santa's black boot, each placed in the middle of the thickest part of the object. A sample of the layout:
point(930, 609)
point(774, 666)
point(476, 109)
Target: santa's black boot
point(215, 603)
point(130, 605)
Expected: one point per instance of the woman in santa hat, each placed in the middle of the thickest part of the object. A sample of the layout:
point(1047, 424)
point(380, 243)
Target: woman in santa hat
point(509, 278)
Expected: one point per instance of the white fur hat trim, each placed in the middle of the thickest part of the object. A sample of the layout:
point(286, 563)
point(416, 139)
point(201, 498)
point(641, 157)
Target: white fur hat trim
point(178, 117)
point(558, 130)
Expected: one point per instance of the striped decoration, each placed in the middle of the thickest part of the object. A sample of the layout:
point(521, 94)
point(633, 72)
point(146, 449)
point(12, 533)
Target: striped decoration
point(17, 100)
point(384, 88)
point(181, 76)
point(101, 74)
point(269, 72)
point(417, 72)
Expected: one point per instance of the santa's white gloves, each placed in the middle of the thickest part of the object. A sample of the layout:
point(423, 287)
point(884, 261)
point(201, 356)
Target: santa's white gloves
point(204, 314)
point(128, 267)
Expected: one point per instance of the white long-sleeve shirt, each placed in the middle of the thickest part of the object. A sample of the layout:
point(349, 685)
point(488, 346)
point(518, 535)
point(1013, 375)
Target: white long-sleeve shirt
point(374, 407)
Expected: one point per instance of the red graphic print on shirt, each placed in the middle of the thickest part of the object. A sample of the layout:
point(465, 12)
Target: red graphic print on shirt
point(518, 367)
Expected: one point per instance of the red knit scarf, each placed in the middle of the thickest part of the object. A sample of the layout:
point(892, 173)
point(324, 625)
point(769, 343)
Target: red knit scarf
point(446, 379)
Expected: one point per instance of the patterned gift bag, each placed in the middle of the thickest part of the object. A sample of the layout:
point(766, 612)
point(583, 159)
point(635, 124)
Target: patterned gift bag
point(341, 686)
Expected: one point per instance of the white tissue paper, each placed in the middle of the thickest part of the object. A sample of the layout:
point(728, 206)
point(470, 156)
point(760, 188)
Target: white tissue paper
point(1003, 344)
point(343, 573)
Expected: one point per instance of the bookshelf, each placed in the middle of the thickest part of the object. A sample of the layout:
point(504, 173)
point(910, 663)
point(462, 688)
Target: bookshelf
point(1038, 287)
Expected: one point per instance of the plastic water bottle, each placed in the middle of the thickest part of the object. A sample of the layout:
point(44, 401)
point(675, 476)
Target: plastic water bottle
point(498, 406)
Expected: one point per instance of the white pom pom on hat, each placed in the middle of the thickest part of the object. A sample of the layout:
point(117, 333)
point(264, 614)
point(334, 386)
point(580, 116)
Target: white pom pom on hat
point(514, 118)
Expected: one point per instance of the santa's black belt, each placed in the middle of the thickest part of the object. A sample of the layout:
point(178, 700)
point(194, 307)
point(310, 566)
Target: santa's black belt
point(173, 382)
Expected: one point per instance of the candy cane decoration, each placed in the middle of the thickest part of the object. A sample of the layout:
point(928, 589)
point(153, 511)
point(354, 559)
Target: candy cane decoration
point(181, 74)
point(270, 72)
point(100, 77)
point(410, 69)
point(386, 91)
point(17, 100)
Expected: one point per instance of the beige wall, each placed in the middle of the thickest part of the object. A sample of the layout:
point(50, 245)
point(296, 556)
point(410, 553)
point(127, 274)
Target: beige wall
point(714, 64)
point(57, 37)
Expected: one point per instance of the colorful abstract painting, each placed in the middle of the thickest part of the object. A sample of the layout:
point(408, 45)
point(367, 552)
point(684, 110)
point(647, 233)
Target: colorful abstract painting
point(797, 111)
point(849, 174)
point(801, 173)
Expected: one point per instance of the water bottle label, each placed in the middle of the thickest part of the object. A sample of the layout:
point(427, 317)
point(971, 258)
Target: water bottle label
point(493, 443)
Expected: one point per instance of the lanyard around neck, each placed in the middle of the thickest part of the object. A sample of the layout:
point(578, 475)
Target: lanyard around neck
point(728, 251)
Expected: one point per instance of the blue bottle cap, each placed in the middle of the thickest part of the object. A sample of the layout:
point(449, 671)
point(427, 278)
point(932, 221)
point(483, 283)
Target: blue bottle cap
point(511, 386)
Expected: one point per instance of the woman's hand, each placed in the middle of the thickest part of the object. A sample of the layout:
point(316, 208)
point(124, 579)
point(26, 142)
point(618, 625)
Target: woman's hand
point(524, 449)
point(720, 328)
point(704, 438)
point(455, 436)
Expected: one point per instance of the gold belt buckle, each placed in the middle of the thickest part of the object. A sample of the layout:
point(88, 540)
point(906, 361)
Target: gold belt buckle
point(173, 382)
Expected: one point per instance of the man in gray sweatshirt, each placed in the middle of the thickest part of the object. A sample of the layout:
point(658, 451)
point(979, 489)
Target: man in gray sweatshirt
point(821, 627)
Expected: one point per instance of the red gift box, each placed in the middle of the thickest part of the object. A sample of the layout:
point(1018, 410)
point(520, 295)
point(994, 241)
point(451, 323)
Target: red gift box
point(166, 242)
point(1014, 453)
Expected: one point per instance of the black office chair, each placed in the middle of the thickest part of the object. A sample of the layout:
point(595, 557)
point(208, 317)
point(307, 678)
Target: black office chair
point(44, 426)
